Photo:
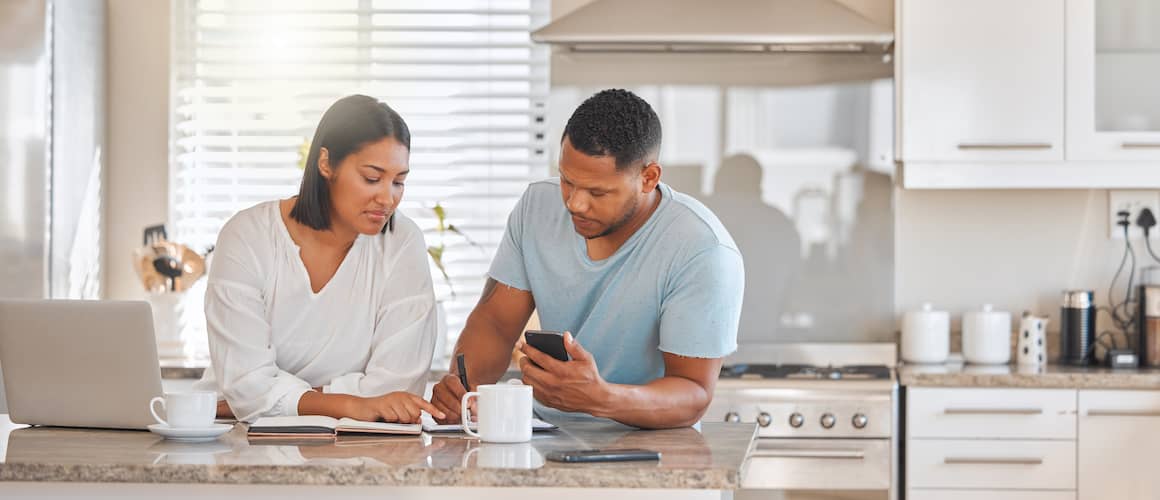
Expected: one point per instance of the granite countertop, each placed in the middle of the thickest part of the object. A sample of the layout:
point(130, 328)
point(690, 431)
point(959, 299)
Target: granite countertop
point(711, 459)
point(1015, 376)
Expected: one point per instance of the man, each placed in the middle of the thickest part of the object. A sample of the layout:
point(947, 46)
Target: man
point(647, 278)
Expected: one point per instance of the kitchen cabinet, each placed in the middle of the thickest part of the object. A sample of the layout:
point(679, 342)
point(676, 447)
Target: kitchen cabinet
point(1119, 433)
point(979, 82)
point(1010, 465)
point(1113, 64)
point(1019, 443)
point(963, 413)
point(990, 495)
point(1031, 94)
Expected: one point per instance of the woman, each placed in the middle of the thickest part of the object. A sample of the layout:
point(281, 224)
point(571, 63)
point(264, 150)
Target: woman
point(322, 304)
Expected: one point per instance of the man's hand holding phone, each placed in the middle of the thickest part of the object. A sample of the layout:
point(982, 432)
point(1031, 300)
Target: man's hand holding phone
point(572, 384)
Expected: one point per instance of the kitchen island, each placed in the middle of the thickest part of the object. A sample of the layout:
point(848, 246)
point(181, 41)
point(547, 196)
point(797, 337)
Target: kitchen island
point(133, 464)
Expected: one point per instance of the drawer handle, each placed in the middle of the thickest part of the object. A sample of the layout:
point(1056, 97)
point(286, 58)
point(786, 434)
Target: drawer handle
point(992, 461)
point(1141, 145)
point(993, 411)
point(1123, 413)
point(1004, 146)
point(809, 453)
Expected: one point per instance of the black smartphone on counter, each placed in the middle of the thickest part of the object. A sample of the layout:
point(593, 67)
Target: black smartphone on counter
point(548, 342)
point(606, 455)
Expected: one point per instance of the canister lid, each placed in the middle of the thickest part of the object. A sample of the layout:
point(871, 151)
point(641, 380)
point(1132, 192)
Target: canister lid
point(1078, 299)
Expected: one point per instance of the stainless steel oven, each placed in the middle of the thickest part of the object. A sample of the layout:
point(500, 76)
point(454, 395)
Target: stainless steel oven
point(825, 430)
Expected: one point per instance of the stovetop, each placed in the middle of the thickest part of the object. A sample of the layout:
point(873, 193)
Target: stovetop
point(806, 372)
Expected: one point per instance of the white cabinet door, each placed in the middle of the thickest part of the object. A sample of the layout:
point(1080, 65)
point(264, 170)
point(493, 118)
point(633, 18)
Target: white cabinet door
point(981, 80)
point(1119, 435)
point(1113, 66)
point(988, 495)
point(1000, 465)
point(968, 413)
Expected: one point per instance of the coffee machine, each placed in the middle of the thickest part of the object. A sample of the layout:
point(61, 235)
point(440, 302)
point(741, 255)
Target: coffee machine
point(1148, 326)
point(1077, 327)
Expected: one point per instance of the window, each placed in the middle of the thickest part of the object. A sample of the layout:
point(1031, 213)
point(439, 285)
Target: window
point(253, 77)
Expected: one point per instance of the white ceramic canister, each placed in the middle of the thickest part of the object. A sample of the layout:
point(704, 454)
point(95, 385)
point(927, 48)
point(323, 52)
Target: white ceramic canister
point(987, 336)
point(926, 336)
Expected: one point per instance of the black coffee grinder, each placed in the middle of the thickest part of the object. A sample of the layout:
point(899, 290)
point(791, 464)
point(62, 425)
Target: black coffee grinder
point(1077, 329)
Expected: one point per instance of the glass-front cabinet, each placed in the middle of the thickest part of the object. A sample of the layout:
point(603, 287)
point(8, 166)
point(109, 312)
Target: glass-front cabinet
point(1113, 80)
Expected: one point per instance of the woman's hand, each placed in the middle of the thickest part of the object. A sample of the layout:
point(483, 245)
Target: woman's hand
point(401, 407)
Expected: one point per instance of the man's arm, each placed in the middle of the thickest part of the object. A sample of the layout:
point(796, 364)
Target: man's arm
point(486, 342)
point(677, 399)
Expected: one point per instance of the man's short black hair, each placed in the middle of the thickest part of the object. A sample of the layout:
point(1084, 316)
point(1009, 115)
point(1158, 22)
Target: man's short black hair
point(351, 123)
point(616, 123)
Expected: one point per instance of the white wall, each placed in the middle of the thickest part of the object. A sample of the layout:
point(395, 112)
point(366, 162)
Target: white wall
point(958, 249)
point(138, 134)
point(1016, 249)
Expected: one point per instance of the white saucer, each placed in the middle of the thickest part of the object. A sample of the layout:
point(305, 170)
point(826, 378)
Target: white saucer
point(191, 434)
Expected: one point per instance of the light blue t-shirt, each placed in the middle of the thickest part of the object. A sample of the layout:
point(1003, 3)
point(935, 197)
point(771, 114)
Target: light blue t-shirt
point(674, 286)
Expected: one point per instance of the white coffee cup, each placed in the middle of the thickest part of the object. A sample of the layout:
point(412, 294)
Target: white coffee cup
point(505, 456)
point(186, 410)
point(504, 412)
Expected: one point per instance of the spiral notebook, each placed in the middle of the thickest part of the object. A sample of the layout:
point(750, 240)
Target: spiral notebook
point(322, 427)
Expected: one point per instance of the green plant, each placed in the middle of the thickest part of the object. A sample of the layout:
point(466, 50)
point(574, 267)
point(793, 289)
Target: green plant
point(436, 252)
point(303, 152)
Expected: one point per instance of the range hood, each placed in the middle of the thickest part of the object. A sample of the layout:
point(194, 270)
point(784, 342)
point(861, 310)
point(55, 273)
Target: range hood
point(725, 26)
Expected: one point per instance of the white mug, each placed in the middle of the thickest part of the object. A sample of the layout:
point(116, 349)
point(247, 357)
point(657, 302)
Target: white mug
point(506, 456)
point(186, 410)
point(505, 412)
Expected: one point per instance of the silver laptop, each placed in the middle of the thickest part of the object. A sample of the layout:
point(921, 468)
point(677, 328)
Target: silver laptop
point(79, 363)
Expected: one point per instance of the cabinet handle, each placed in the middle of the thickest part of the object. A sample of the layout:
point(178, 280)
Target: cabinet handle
point(993, 411)
point(1123, 413)
point(809, 453)
point(1141, 145)
point(992, 461)
point(1004, 146)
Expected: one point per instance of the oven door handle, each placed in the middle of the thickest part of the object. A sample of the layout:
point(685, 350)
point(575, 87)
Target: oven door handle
point(809, 453)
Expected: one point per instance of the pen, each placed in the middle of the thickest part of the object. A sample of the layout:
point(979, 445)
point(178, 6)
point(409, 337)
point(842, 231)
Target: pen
point(462, 371)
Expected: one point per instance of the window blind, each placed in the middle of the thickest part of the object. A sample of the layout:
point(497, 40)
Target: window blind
point(253, 77)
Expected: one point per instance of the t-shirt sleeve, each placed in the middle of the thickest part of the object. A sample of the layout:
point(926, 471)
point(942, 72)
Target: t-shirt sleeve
point(508, 265)
point(701, 309)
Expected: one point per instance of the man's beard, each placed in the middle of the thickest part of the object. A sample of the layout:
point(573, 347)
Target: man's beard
point(615, 226)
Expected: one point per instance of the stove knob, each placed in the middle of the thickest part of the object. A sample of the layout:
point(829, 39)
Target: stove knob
point(796, 420)
point(764, 419)
point(859, 421)
point(828, 420)
point(732, 417)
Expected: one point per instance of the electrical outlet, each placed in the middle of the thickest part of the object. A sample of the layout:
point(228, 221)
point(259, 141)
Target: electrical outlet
point(1133, 202)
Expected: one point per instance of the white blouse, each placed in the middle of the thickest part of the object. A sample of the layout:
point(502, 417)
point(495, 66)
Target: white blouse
point(370, 331)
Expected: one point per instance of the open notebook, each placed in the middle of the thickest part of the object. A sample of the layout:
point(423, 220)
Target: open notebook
point(431, 427)
point(317, 426)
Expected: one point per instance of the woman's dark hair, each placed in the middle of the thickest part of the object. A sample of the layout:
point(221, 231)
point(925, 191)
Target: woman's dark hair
point(351, 123)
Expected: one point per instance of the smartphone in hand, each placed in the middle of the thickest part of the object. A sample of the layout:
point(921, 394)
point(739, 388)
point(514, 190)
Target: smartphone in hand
point(548, 342)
